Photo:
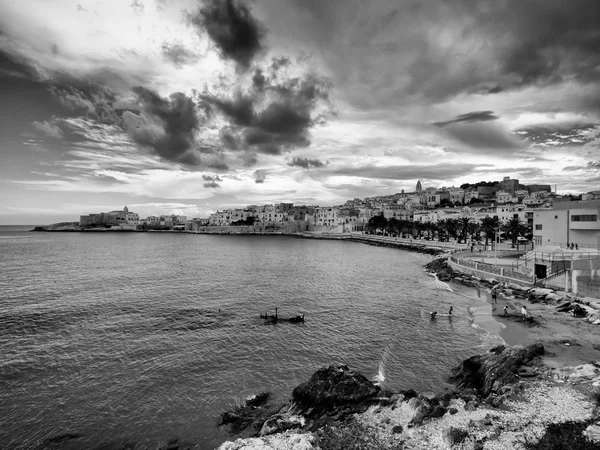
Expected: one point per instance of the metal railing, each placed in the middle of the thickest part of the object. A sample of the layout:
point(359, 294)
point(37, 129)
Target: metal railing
point(419, 242)
point(492, 269)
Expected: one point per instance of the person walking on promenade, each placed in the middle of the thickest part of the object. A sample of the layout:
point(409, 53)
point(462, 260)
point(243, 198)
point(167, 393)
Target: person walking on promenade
point(576, 246)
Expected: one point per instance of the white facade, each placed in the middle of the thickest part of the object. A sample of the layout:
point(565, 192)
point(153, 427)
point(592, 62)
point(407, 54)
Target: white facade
point(326, 216)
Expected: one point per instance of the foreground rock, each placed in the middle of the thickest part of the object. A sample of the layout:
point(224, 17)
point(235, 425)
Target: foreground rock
point(339, 408)
point(332, 387)
point(488, 373)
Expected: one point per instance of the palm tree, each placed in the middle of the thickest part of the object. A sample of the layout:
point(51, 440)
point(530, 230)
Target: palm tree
point(489, 226)
point(514, 228)
point(429, 227)
point(442, 226)
point(466, 226)
point(452, 227)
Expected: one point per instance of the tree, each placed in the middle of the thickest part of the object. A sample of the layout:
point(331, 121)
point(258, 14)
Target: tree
point(466, 227)
point(376, 223)
point(406, 227)
point(513, 228)
point(393, 226)
point(490, 226)
point(452, 226)
point(446, 202)
point(442, 228)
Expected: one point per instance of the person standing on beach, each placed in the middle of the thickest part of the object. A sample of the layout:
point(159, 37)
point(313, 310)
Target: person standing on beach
point(524, 312)
point(505, 309)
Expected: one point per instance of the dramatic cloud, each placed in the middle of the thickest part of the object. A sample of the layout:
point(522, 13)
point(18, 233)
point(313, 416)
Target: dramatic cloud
point(213, 181)
point(236, 33)
point(48, 128)
point(306, 163)
point(591, 165)
point(477, 116)
point(259, 176)
point(483, 136)
point(178, 54)
point(275, 114)
point(557, 135)
point(167, 125)
point(433, 172)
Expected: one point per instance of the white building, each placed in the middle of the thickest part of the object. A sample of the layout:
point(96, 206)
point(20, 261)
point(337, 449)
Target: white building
point(567, 223)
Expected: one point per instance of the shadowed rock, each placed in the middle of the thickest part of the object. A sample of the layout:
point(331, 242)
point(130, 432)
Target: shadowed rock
point(489, 372)
point(332, 386)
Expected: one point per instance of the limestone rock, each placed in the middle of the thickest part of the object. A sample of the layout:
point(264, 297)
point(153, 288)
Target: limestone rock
point(489, 372)
point(540, 292)
point(275, 442)
point(555, 298)
point(593, 433)
point(335, 385)
point(583, 372)
point(454, 436)
point(281, 422)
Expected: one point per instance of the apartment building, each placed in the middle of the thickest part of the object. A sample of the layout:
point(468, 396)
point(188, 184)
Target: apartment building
point(567, 223)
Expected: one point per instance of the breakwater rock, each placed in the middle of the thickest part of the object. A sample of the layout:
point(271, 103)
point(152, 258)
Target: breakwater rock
point(421, 248)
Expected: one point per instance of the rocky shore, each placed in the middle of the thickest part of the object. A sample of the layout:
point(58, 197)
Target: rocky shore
point(544, 394)
point(503, 399)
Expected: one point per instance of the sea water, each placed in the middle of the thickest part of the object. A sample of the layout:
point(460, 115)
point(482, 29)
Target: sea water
point(146, 337)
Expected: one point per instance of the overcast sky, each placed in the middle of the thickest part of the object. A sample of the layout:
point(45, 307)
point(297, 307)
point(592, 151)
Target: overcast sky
point(186, 106)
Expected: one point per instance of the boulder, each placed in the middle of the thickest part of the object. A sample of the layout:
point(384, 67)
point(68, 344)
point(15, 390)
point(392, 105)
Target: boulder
point(274, 442)
point(578, 311)
point(554, 298)
point(257, 399)
point(583, 372)
point(281, 422)
point(489, 372)
point(539, 292)
point(593, 433)
point(454, 436)
point(335, 385)
point(595, 305)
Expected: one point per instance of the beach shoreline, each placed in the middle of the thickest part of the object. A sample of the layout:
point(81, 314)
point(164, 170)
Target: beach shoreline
point(569, 340)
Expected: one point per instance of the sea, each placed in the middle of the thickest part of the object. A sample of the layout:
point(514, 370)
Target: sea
point(149, 337)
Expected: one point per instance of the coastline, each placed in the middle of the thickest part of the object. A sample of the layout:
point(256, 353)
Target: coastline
point(552, 393)
point(393, 410)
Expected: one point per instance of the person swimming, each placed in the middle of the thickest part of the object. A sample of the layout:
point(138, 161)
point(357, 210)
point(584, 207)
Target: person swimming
point(433, 314)
point(450, 310)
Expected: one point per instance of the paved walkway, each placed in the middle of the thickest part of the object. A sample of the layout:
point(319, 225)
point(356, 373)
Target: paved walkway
point(502, 259)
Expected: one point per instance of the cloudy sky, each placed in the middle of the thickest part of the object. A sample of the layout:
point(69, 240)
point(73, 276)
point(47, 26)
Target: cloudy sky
point(190, 106)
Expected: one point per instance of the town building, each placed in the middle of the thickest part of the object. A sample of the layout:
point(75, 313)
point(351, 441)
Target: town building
point(568, 223)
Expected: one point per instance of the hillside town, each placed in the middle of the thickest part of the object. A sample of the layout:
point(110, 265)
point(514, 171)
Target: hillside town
point(537, 213)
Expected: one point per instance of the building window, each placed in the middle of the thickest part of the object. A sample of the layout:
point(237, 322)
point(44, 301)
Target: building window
point(538, 226)
point(584, 218)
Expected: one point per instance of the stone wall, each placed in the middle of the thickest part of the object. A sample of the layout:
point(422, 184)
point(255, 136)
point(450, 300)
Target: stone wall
point(260, 228)
point(586, 277)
